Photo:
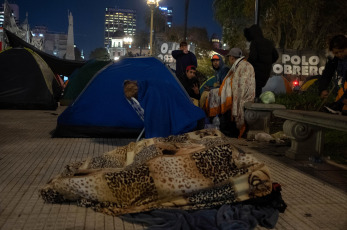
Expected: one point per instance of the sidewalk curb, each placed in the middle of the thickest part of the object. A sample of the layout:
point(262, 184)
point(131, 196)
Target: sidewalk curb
point(341, 166)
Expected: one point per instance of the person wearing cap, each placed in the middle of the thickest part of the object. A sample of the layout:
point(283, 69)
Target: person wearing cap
point(220, 68)
point(237, 89)
point(262, 54)
point(191, 83)
point(183, 59)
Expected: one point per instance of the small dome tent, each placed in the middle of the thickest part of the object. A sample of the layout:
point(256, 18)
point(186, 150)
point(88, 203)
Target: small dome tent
point(27, 82)
point(80, 78)
point(101, 110)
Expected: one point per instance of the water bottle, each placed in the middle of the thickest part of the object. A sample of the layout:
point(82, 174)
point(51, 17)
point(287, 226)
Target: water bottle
point(216, 122)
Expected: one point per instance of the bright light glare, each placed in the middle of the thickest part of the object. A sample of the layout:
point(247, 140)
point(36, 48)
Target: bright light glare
point(153, 2)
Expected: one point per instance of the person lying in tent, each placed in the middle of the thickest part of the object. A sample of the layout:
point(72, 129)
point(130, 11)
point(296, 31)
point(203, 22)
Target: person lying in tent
point(238, 87)
point(166, 110)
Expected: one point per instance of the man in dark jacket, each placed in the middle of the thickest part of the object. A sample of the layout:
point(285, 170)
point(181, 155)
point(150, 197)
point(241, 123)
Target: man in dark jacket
point(262, 54)
point(183, 58)
point(336, 66)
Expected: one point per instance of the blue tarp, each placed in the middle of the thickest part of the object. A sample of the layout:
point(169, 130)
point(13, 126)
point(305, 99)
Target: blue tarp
point(101, 108)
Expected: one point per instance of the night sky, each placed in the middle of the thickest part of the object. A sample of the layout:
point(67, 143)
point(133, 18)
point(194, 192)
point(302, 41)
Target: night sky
point(89, 16)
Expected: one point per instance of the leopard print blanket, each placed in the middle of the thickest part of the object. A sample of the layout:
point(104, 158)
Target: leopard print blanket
point(196, 170)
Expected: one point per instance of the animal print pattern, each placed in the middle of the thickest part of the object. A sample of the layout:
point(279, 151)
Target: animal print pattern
point(129, 186)
point(196, 170)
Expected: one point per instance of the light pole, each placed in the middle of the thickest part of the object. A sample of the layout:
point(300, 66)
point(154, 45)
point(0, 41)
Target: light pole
point(152, 4)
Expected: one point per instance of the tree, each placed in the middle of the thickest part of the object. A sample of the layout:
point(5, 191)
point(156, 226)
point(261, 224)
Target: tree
point(291, 24)
point(100, 54)
point(141, 40)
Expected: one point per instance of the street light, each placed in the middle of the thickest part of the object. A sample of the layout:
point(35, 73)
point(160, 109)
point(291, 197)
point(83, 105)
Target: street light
point(152, 4)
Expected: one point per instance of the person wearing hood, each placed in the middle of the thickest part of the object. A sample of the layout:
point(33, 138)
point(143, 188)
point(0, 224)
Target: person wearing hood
point(262, 54)
point(220, 68)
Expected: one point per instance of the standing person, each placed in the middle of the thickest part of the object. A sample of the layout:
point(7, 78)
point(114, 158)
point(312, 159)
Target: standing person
point(262, 54)
point(183, 58)
point(338, 46)
point(237, 88)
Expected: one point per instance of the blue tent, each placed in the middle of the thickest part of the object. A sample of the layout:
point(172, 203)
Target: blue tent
point(102, 109)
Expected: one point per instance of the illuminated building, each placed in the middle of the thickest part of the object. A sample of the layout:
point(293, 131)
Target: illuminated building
point(14, 12)
point(119, 20)
point(54, 43)
point(167, 11)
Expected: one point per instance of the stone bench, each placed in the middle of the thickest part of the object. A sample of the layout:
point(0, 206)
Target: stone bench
point(305, 129)
point(257, 117)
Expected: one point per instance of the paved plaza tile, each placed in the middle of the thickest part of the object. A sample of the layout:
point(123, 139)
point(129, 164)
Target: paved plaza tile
point(316, 194)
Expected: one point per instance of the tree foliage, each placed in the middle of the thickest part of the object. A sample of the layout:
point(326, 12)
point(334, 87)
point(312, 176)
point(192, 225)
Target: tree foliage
point(99, 54)
point(291, 24)
point(141, 39)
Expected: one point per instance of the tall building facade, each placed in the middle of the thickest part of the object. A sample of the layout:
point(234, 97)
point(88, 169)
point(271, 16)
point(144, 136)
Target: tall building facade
point(14, 13)
point(119, 20)
point(167, 11)
point(52, 42)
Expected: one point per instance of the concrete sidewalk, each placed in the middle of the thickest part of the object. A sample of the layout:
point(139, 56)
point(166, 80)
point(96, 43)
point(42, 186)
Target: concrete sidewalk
point(316, 193)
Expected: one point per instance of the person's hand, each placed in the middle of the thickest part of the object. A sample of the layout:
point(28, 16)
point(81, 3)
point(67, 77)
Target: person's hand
point(206, 88)
point(196, 88)
point(324, 94)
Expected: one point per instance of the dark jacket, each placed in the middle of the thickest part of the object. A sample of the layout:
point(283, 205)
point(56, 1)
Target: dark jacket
point(262, 54)
point(328, 73)
point(337, 67)
point(183, 60)
point(188, 85)
point(222, 71)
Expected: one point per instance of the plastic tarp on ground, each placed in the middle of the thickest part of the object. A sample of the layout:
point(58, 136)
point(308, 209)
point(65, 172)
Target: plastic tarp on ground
point(79, 79)
point(27, 82)
point(102, 110)
point(278, 85)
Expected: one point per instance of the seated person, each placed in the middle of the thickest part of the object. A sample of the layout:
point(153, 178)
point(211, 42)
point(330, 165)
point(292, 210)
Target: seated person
point(167, 111)
point(216, 81)
point(191, 84)
point(338, 65)
point(221, 71)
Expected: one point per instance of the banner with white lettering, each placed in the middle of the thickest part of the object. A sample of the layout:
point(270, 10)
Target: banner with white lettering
point(299, 64)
